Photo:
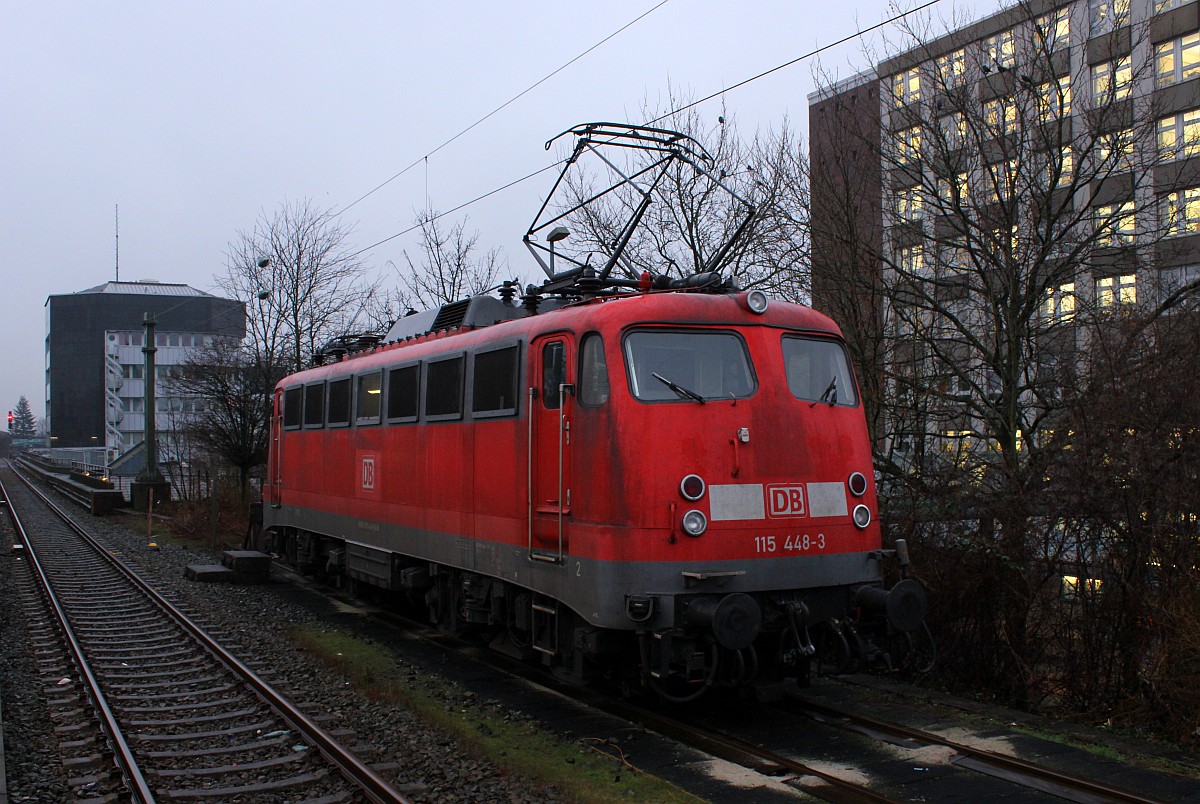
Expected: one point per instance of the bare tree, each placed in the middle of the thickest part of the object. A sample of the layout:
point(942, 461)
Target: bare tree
point(233, 386)
point(300, 280)
point(1013, 206)
point(447, 268)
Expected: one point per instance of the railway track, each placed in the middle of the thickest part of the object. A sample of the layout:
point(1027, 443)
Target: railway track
point(152, 706)
point(789, 744)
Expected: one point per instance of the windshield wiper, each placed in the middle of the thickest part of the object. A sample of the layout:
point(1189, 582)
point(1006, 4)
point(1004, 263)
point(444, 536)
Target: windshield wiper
point(685, 393)
point(830, 394)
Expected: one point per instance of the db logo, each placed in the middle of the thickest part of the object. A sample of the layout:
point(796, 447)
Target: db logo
point(368, 473)
point(785, 500)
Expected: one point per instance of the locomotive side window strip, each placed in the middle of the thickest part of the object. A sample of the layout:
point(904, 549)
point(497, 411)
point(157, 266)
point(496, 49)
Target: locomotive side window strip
point(368, 397)
point(688, 365)
point(314, 405)
point(444, 389)
point(818, 371)
point(593, 371)
point(403, 394)
point(339, 402)
point(494, 382)
point(293, 407)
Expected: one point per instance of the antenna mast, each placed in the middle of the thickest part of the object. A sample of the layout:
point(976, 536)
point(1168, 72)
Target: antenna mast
point(117, 244)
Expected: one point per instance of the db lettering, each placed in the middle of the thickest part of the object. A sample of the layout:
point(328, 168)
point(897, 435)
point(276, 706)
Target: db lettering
point(785, 500)
point(368, 474)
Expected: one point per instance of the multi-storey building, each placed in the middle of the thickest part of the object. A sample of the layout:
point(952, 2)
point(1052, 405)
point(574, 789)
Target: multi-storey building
point(1005, 182)
point(95, 382)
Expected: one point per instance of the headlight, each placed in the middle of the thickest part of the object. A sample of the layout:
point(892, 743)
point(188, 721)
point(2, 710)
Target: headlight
point(692, 487)
point(857, 484)
point(862, 516)
point(757, 301)
point(694, 523)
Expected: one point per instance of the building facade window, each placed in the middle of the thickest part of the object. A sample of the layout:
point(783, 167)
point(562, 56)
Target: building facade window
point(1053, 30)
point(1114, 291)
point(1166, 5)
point(1054, 99)
point(908, 145)
point(952, 67)
point(906, 87)
point(1116, 224)
point(1001, 114)
point(1060, 302)
point(1000, 49)
point(1001, 180)
point(1111, 81)
point(1177, 60)
point(954, 191)
point(1175, 278)
point(1181, 211)
point(1061, 170)
point(1116, 150)
point(1179, 135)
point(911, 259)
point(1107, 15)
point(910, 206)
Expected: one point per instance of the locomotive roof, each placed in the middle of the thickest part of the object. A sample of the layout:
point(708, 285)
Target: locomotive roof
point(611, 313)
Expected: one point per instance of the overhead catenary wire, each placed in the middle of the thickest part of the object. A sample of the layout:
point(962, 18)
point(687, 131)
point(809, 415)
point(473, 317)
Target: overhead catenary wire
point(815, 52)
point(502, 106)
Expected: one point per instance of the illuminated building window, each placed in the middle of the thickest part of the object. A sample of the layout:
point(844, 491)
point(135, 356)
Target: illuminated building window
point(911, 259)
point(1179, 135)
point(1053, 30)
point(908, 145)
point(1107, 15)
point(1000, 50)
point(906, 87)
point(1060, 302)
point(1075, 588)
point(1180, 211)
point(1177, 60)
point(1116, 224)
point(952, 67)
point(910, 204)
point(1001, 114)
point(1112, 291)
point(1111, 81)
point(1054, 99)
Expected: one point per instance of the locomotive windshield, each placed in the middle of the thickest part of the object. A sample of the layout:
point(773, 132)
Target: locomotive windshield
point(817, 371)
point(696, 365)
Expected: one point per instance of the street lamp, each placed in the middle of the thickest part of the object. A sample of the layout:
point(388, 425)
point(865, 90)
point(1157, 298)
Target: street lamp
point(556, 234)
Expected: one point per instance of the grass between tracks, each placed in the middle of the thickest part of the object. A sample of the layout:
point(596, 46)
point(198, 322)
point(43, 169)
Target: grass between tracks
point(587, 770)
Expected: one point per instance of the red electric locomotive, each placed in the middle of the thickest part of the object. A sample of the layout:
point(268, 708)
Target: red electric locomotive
point(668, 483)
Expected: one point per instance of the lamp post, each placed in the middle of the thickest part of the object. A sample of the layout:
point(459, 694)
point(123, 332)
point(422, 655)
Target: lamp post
point(149, 484)
point(556, 234)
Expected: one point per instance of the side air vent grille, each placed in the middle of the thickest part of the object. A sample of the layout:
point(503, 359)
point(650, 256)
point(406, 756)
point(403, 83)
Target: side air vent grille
point(451, 315)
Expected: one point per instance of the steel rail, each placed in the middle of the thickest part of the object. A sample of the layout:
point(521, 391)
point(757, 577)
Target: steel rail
point(350, 766)
point(122, 753)
point(823, 713)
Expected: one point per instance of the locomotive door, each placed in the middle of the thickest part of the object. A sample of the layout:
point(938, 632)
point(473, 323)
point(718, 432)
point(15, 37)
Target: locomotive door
point(550, 406)
point(273, 458)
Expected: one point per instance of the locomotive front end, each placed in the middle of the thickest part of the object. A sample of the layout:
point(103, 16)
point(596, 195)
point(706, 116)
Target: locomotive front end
point(756, 548)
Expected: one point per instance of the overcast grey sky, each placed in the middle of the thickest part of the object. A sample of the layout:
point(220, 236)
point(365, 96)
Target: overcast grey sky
point(196, 117)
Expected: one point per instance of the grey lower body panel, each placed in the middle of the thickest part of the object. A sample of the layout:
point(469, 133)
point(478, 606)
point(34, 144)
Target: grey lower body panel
point(596, 590)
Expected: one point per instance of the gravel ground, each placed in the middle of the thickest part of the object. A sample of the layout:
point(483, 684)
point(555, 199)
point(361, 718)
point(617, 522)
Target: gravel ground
point(428, 765)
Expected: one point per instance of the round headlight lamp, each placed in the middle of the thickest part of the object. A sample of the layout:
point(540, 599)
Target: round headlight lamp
point(757, 301)
point(857, 484)
point(694, 523)
point(861, 516)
